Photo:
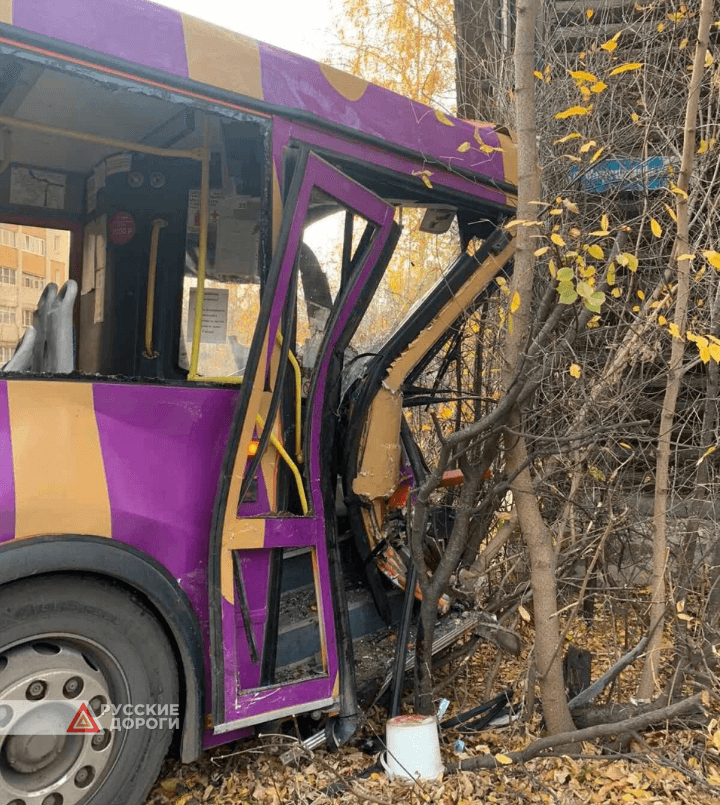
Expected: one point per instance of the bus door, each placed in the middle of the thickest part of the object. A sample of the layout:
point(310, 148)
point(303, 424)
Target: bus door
point(275, 512)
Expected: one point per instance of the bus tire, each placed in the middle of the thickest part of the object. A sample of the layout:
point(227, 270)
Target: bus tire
point(69, 640)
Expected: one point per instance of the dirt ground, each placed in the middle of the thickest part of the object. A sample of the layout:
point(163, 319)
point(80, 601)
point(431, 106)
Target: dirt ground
point(661, 767)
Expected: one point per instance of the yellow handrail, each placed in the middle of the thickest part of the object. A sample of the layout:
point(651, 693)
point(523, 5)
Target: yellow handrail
point(293, 466)
point(298, 407)
point(298, 401)
point(157, 225)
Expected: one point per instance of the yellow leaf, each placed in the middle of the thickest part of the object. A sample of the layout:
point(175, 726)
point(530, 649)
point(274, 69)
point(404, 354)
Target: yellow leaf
point(683, 44)
point(446, 412)
point(635, 117)
point(628, 260)
point(589, 12)
point(709, 59)
point(674, 331)
point(463, 147)
point(641, 295)
point(678, 190)
point(655, 228)
point(572, 136)
point(476, 137)
point(703, 146)
point(670, 211)
point(541, 251)
point(702, 458)
point(625, 445)
point(689, 257)
point(571, 205)
point(605, 223)
point(582, 75)
point(537, 74)
point(575, 370)
point(585, 147)
point(524, 614)
point(573, 111)
point(624, 68)
point(503, 760)
point(556, 239)
point(661, 27)
point(616, 292)
point(596, 252)
point(442, 118)
point(490, 149)
point(596, 155)
point(515, 303)
point(713, 258)
point(611, 44)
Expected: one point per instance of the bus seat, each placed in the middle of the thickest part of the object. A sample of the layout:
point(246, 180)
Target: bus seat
point(22, 358)
point(59, 355)
point(48, 346)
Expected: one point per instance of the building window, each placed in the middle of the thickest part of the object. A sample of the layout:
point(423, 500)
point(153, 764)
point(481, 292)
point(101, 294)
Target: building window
point(31, 281)
point(28, 317)
point(7, 315)
point(7, 276)
point(7, 238)
point(28, 243)
point(6, 352)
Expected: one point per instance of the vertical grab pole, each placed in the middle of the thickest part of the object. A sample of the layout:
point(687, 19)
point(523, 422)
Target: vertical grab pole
point(157, 225)
point(202, 252)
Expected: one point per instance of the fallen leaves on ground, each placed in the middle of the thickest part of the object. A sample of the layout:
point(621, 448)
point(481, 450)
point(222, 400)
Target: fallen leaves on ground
point(662, 767)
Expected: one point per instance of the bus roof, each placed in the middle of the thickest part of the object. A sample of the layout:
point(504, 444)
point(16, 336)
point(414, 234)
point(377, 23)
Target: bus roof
point(157, 40)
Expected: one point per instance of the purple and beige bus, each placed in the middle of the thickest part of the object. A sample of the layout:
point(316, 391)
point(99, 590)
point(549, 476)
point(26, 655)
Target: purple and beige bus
point(192, 419)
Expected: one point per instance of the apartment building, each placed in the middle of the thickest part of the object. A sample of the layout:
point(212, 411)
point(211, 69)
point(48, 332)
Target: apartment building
point(30, 258)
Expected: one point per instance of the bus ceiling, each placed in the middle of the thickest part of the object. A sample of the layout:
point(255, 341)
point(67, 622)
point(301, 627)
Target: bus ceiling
point(67, 94)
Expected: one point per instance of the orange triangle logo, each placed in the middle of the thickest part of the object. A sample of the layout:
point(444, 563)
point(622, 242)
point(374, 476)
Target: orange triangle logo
point(83, 721)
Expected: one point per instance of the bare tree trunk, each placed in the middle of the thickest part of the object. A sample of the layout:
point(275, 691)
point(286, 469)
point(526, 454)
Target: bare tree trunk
point(535, 533)
point(662, 474)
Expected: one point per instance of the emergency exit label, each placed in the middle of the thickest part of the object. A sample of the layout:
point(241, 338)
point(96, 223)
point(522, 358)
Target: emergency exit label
point(214, 316)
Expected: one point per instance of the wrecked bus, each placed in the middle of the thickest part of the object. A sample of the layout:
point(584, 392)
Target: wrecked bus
point(176, 452)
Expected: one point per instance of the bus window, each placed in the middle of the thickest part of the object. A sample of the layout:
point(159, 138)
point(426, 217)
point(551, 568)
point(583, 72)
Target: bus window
point(420, 259)
point(235, 252)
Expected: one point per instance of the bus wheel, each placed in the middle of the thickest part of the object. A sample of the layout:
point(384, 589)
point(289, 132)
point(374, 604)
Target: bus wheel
point(88, 693)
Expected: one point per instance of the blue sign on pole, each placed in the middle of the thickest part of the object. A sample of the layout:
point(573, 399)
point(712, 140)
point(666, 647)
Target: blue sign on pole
point(625, 175)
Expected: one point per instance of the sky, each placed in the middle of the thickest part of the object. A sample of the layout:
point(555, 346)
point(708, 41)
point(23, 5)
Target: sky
point(301, 26)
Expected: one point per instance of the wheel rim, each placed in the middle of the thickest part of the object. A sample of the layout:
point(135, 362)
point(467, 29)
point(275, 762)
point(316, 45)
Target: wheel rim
point(43, 683)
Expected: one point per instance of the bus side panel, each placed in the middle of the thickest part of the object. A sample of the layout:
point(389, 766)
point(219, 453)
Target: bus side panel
point(163, 449)
point(140, 462)
point(7, 479)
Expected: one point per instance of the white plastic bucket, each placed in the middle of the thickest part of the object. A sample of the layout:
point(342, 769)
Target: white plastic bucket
point(413, 748)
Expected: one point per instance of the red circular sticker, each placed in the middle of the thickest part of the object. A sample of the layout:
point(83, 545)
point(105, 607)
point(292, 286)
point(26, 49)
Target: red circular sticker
point(121, 228)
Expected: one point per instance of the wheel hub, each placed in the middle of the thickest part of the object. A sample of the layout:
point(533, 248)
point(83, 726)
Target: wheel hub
point(43, 761)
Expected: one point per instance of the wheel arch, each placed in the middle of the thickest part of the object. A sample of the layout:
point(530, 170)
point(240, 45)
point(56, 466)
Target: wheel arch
point(104, 558)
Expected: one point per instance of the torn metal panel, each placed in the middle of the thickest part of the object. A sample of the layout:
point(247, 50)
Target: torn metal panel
point(380, 465)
